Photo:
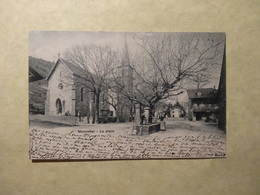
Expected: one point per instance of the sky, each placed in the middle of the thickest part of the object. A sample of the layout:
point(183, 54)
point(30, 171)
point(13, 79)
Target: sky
point(48, 44)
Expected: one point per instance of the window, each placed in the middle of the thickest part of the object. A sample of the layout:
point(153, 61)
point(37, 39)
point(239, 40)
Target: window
point(81, 94)
point(199, 93)
point(92, 97)
point(103, 99)
point(60, 86)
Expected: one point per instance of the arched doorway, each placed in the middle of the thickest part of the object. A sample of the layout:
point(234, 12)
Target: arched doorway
point(58, 106)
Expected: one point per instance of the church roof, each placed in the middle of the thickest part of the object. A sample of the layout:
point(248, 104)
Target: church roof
point(201, 93)
point(125, 61)
point(72, 67)
point(125, 57)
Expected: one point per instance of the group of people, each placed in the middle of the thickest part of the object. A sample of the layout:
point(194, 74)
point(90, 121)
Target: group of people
point(161, 116)
point(81, 117)
point(144, 119)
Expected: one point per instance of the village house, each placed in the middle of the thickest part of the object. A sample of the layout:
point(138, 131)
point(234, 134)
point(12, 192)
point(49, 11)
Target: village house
point(177, 111)
point(221, 96)
point(202, 103)
point(34, 75)
point(209, 103)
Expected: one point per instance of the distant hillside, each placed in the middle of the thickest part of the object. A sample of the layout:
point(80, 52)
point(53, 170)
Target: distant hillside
point(38, 89)
point(43, 67)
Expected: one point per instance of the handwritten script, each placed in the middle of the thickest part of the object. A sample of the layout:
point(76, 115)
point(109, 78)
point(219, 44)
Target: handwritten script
point(90, 144)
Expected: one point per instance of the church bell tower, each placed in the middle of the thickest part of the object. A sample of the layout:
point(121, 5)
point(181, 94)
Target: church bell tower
point(125, 74)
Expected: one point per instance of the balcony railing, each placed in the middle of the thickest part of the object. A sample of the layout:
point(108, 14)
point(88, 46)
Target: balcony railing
point(205, 108)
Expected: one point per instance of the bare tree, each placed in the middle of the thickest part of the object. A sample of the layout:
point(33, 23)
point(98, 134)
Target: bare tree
point(201, 79)
point(97, 64)
point(112, 98)
point(164, 63)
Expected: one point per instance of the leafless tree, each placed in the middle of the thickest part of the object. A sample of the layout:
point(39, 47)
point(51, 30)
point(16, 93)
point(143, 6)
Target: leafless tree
point(165, 62)
point(201, 79)
point(97, 64)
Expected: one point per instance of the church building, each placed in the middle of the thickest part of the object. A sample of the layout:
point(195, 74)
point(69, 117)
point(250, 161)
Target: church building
point(67, 92)
point(125, 107)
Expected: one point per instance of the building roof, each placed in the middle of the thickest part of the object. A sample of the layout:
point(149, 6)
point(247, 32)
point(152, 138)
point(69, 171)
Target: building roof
point(43, 67)
point(202, 93)
point(34, 75)
point(72, 67)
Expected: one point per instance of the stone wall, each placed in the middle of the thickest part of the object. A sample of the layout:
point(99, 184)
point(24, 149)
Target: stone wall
point(82, 96)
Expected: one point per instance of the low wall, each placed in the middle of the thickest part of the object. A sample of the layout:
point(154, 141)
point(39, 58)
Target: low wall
point(151, 128)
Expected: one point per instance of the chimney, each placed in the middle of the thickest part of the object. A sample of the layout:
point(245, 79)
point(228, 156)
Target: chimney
point(58, 55)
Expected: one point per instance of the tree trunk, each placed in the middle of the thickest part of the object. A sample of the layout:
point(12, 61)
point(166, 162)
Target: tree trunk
point(151, 114)
point(116, 115)
point(97, 107)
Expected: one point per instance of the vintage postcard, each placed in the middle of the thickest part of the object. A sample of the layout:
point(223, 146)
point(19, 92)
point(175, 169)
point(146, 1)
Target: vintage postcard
point(126, 95)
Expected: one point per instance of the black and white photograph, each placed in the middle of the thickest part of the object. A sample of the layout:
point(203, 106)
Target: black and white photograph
point(126, 95)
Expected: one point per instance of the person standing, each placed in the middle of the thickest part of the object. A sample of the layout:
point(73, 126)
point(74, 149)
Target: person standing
point(143, 119)
point(162, 122)
point(88, 115)
point(79, 115)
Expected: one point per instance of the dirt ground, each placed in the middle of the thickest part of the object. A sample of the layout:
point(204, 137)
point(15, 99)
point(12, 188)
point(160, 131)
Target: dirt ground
point(173, 125)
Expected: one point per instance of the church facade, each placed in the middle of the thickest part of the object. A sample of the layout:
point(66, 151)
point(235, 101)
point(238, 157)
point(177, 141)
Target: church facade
point(66, 93)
